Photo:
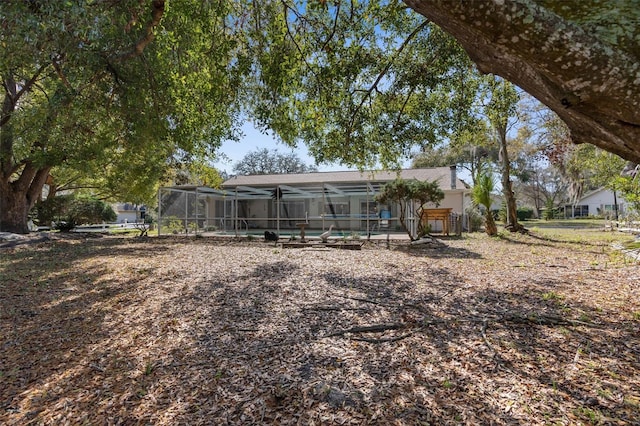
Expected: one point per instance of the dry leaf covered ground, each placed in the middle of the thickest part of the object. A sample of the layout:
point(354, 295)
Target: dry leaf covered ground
point(523, 329)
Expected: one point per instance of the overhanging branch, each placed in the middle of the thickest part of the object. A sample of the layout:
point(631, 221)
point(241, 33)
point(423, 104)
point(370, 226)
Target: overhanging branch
point(157, 11)
point(384, 72)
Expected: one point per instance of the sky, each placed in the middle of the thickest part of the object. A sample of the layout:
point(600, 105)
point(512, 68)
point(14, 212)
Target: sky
point(253, 139)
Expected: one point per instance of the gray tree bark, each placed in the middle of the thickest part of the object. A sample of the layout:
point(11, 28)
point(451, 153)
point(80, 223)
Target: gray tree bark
point(586, 71)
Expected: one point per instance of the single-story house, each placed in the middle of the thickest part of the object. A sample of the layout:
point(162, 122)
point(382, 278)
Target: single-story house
point(129, 212)
point(277, 202)
point(600, 202)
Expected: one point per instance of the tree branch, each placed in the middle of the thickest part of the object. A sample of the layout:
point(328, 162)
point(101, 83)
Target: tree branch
point(382, 74)
point(58, 69)
point(333, 30)
point(382, 340)
point(157, 11)
point(13, 95)
point(590, 83)
point(376, 328)
point(404, 105)
point(36, 184)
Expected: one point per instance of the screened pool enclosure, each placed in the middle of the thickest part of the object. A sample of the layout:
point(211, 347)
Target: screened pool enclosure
point(248, 205)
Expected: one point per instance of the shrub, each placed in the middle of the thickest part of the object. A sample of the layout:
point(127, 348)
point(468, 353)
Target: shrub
point(91, 210)
point(51, 210)
point(68, 211)
point(173, 225)
point(524, 213)
point(550, 211)
point(65, 226)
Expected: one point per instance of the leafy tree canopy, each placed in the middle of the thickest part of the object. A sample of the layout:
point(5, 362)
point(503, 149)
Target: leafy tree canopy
point(265, 162)
point(404, 192)
point(110, 89)
point(362, 83)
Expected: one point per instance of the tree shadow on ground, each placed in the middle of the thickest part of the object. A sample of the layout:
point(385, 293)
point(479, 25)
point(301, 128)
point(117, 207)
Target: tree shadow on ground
point(547, 241)
point(437, 250)
point(454, 357)
point(54, 302)
point(276, 342)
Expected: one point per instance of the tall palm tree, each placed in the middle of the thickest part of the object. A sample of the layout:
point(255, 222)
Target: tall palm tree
point(481, 195)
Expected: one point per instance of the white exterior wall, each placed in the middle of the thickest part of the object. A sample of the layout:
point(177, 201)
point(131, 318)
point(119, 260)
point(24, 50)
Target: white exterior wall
point(128, 216)
point(599, 199)
point(456, 201)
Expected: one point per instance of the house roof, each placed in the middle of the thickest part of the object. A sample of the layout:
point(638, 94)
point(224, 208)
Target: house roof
point(320, 184)
point(440, 174)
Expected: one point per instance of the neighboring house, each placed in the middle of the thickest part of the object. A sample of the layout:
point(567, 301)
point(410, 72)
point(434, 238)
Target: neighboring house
point(128, 212)
point(600, 202)
point(343, 199)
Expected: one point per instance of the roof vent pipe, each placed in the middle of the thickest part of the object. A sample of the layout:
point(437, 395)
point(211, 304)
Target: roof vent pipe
point(454, 176)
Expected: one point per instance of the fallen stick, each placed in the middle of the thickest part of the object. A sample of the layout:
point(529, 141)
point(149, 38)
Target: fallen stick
point(332, 308)
point(376, 328)
point(382, 340)
point(484, 337)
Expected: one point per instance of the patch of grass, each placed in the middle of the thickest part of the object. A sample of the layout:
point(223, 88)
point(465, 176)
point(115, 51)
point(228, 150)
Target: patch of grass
point(564, 331)
point(632, 401)
point(149, 368)
point(590, 236)
point(584, 318)
point(594, 416)
point(632, 245)
point(123, 231)
point(567, 223)
point(552, 295)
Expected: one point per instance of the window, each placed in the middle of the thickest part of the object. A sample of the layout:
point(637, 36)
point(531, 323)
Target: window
point(336, 209)
point(581, 211)
point(368, 208)
point(296, 209)
point(610, 209)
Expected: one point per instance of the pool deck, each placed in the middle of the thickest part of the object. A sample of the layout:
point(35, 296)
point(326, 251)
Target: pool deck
point(286, 236)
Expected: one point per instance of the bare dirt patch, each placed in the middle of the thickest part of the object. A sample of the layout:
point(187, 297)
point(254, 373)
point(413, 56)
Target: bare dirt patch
point(525, 329)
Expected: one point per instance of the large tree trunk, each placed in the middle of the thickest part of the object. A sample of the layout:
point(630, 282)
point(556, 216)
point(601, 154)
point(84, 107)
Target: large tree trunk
point(13, 211)
point(510, 199)
point(591, 83)
point(18, 197)
point(20, 183)
point(507, 186)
